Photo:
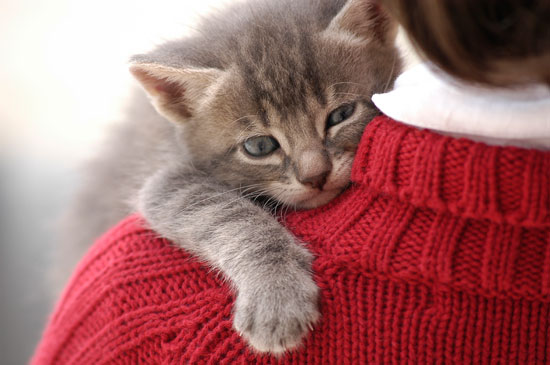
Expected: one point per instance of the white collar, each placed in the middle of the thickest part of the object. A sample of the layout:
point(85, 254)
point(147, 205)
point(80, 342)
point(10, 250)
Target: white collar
point(426, 99)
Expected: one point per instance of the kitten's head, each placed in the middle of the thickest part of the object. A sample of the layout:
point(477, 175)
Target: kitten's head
point(274, 98)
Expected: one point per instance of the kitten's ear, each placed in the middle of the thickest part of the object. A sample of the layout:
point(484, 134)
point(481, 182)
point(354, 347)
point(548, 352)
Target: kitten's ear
point(364, 19)
point(176, 93)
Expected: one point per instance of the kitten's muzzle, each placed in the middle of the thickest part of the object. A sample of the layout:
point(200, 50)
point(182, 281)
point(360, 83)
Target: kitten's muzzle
point(319, 199)
point(317, 181)
point(313, 168)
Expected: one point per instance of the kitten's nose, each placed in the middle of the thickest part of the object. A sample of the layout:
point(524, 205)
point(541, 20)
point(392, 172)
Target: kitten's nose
point(317, 181)
point(313, 169)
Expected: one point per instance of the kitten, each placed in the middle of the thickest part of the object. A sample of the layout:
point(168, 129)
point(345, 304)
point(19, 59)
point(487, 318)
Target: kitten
point(267, 101)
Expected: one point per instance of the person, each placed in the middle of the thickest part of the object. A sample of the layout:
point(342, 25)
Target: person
point(438, 252)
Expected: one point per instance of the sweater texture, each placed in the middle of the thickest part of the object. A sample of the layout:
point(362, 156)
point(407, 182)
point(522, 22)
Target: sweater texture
point(438, 253)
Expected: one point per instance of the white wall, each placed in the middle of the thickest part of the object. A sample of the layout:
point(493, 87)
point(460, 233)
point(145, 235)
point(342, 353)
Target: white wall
point(63, 78)
point(63, 66)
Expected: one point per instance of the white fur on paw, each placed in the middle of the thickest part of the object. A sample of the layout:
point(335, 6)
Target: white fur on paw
point(276, 320)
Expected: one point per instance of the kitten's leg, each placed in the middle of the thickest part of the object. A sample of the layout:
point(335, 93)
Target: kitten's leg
point(271, 271)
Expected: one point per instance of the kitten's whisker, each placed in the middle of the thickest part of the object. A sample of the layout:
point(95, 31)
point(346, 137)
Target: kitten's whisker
point(352, 94)
point(240, 138)
point(216, 196)
point(247, 188)
point(279, 204)
point(240, 197)
point(228, 204)
point(243, 117)
point(390, 78)
point(346, 83)
point(268, 202)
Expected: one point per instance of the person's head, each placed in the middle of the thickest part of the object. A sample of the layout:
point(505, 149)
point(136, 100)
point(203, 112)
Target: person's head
point(494, 42)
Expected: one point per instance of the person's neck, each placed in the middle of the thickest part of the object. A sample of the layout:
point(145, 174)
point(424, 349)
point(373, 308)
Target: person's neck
point(428, 99)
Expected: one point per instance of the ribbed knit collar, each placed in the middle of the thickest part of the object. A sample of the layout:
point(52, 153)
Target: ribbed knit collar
point(470, 179)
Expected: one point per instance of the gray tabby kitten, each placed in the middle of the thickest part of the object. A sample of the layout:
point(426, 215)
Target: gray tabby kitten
point(267, 103)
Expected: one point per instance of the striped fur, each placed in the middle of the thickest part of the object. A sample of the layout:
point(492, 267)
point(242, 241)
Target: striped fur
point(275, 68)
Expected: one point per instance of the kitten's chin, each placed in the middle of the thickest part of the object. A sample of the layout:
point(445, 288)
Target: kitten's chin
point(318, 200)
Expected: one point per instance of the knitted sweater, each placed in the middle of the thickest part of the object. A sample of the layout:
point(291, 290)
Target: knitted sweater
point(439, 252)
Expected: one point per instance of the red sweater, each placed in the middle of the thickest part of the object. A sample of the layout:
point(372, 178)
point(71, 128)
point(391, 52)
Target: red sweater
point(440, 252)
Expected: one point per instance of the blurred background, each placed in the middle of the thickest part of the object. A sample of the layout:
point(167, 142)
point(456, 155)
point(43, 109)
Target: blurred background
point(63, 80)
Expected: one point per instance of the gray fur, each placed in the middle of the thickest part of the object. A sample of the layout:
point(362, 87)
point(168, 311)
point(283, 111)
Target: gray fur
point(258, 68)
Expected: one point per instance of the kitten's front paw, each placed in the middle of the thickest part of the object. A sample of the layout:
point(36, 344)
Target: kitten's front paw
point(275, 317)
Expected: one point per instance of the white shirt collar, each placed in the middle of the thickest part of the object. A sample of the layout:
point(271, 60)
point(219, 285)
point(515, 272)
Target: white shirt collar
point(426, 99)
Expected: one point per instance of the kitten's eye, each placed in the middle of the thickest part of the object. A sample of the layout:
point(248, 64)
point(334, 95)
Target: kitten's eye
point(340, 114)
point(260, 146)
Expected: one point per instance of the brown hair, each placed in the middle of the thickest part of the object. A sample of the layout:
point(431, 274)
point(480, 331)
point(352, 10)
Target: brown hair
point(495, 42)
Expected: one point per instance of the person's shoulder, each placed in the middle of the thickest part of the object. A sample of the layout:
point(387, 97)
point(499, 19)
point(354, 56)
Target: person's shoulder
point(131, 253)
point(132, 289)
point(130, 244)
